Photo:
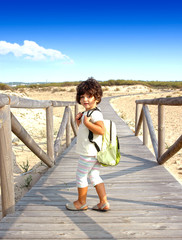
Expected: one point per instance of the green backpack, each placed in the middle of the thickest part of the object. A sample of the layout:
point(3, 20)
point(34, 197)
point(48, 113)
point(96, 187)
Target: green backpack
point(109, 154)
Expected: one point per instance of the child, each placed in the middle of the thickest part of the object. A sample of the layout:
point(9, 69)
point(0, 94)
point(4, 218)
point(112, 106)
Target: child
point(89, 94)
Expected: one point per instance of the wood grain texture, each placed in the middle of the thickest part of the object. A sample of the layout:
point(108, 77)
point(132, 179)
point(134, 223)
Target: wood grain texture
point(6, 162)
point(146, 201)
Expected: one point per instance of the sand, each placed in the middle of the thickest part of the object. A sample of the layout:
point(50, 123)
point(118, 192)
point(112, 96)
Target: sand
point(34, 121)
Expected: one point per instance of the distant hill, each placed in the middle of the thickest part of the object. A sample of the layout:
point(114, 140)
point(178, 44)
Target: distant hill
point(24, 83)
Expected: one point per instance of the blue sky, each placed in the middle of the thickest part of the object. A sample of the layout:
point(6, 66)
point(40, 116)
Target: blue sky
point(58, 41)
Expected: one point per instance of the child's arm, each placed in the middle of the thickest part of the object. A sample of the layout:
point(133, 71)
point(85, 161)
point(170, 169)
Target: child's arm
point(78, 118)
point(97, 127)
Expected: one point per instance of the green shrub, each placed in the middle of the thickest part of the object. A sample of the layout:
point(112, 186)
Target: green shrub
point(25, 166)
point(111, 82)
point(72, 90)
point(28, 181)
point(4, 86)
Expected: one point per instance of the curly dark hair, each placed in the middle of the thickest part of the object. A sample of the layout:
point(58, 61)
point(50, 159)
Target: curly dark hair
point(91, 87)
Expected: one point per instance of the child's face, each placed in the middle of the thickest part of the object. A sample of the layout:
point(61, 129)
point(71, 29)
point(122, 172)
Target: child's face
point(88, 101)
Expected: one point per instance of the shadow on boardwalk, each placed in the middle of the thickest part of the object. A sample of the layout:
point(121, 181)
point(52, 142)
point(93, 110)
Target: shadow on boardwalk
point(146, 200)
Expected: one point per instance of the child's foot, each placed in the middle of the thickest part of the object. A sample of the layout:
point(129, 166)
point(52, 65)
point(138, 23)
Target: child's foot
point(102, 207)
point(71, 207)
point(76, 206)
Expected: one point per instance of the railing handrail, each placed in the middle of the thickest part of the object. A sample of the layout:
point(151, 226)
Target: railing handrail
point(19, 102)
point(143, 115)
point(172, 101)
point(8, 123)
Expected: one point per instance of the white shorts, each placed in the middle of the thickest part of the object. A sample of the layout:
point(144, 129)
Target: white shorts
point(88, 167)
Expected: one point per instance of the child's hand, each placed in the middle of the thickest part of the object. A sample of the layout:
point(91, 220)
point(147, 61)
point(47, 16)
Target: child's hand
point(78, 118)
point(79, 115)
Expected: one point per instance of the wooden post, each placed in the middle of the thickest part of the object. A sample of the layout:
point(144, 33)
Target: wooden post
point(136, 116)
point(161, 130)
point(68, 130)
point(50, 132)
point(145, 131)
point(6, 162)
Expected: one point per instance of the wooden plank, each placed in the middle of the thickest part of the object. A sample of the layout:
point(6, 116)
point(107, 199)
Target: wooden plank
point(144, 213)
point(88, 226)
point(97, 233)
point(84, 219)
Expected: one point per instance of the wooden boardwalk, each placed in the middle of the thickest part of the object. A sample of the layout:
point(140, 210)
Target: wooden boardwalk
point(146, 200)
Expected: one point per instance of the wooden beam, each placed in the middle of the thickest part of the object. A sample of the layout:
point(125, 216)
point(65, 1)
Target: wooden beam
point(171, 151)
point(60, 133)
point(176, 101)
point(154, 101)
point(4, 100)
point(63, 103)
point(138, 126)
point(151, 130)
point(73, 124)
point(145, 131)
point(136, 115)
point(161, 130)
point(6, 162)
point(18, 102)
point(22, 134)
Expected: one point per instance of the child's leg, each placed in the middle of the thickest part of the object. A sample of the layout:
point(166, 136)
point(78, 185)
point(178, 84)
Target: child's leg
point(97, 182)
point(85, 164)
point(82, 197)
point(100, 188)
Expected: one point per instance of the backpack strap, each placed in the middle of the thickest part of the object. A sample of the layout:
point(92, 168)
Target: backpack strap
point(89, 113)
point(90, 135)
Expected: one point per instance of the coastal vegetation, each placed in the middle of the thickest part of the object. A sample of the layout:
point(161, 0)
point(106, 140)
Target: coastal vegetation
point(111, 82)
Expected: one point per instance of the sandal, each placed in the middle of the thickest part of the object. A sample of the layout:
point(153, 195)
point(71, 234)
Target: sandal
point(101, 209)
point(71, 207)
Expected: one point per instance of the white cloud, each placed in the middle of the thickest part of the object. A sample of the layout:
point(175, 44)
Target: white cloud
point(31, 50)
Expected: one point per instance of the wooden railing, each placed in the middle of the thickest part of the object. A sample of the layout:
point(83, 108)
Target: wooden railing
point(8, 123)
point(143, 115)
